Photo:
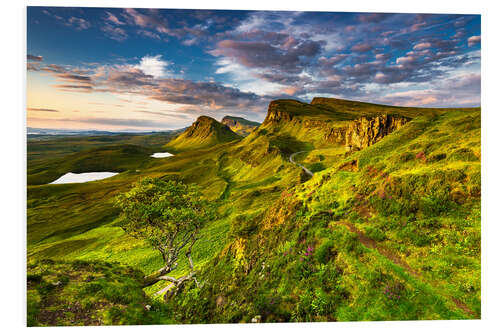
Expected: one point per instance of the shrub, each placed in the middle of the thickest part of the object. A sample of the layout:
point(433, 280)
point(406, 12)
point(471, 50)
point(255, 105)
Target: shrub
point(324, 252)
point(437, 157)
point(243, 226)
point(375, 233)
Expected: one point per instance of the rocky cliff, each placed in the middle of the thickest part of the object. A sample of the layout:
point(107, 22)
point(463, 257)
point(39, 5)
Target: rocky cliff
point(365, 132)
point(321, 125)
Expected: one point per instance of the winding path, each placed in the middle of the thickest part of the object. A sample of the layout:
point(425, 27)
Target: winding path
point(309, 172)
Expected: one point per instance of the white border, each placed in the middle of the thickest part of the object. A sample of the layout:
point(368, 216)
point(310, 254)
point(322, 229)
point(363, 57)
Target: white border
point(13, 192)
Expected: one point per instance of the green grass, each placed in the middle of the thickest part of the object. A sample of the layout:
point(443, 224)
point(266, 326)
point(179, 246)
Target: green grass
point(62, 293)
point(278, 247)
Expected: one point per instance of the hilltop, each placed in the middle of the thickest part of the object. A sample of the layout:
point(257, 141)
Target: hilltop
point(204, 132)
point(240, 125)
point(329, 122)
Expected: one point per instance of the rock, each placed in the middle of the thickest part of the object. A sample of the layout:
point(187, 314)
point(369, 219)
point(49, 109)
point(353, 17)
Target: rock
point(365, 132)
point(256, 319)
point(220, 301)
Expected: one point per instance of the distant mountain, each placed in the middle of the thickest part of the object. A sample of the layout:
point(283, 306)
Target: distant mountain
point(240, 125)
point(53, 131)
point(204, 132)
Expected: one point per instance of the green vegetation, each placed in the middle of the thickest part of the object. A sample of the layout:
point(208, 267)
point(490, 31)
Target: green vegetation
point(388, 232)
point(169, 216)
point(240, 125)
point(204, 132)
point(88, 293)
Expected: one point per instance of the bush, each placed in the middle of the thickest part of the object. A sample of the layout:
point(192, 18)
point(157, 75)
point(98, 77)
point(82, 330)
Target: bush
point(437, 157)
point(324, 252)
point(375, 233)
point(463, 154)
point(243, 226)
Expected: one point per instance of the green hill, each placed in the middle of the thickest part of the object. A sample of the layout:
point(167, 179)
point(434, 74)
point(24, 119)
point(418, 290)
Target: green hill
point(204, 132)
point(390, 232)
point(240, 125)
point(388, 228)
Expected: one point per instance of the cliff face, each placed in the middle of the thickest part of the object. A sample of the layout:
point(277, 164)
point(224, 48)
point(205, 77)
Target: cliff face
point(277, 112)
point(365, 132)
point(354, 134)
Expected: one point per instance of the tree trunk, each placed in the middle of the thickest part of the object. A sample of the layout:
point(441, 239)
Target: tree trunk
point(152, 278)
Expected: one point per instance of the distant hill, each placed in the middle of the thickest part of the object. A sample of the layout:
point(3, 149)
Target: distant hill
point(240, 125)
point(204, 132)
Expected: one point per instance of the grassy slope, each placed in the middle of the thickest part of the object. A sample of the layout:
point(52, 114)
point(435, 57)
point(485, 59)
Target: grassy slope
point(240, 125)
point(76, 221)
point(416, 195)
point(88, 293)
point(204, 132)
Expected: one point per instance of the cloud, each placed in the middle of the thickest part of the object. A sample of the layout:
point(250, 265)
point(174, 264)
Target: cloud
point(165, 114)
point(78, 23)
point(53, 68)
point(42, 110)
point(73, 87)
point(409, 59)
point(113, 32)
point(153, 65)
point(32, 67)
point(374, 17)
point(289, 56)
point(361, 47)
point(149, 34)
point(34, 58)
point(112, 18)
point(473, 40)
point(74, 77)
point(422, 46)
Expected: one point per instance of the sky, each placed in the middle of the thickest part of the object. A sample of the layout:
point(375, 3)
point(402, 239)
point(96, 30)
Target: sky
point(159, 69)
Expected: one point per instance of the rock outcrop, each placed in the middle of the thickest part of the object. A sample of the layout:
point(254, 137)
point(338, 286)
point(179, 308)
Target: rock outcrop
point(278, 112)
point(365, 132)
point(307, 121)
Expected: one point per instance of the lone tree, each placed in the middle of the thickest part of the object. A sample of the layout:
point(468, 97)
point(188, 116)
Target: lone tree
point(168, 215)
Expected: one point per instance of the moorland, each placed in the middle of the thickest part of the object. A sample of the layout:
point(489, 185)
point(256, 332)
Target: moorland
point(332, 210)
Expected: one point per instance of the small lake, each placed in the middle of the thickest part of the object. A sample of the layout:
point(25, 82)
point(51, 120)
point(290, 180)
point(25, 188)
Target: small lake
point(161, 155)
point(83, 177)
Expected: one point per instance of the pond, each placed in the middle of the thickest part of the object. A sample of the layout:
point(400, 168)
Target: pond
point(83, 177)
point(161, 155)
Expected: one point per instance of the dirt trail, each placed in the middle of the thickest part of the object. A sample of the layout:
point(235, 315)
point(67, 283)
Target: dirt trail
point(372, 244)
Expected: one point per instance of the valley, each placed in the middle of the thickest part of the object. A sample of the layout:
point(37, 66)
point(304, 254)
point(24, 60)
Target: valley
point(323, 209)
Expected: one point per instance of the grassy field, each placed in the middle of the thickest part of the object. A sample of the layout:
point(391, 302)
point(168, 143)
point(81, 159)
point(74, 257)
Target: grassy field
point(390, 232)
